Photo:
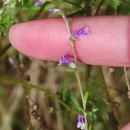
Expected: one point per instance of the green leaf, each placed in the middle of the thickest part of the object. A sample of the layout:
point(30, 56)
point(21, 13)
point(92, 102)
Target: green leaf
point(90, 127)
point(73, 98)
point(95, 110)
point(68, 96)
point(85, 97)
point(6, 21)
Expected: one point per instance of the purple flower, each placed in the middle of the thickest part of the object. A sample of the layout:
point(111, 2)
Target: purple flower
point(53, 10)
point(82, 31)
point(64, 59)
point(37, 2)
point(80, 118)
point(81, 123)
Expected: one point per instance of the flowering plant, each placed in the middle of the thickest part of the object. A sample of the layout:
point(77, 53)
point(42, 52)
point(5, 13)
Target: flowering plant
point(41, 95)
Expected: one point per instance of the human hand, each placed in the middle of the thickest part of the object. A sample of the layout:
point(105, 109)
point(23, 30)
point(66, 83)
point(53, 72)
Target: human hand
point(108, 44)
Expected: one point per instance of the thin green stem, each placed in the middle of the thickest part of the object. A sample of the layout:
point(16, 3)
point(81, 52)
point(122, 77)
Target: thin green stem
point(75, 60)
point(3, 51)
point(69, 31)
point(81, 93)
point(126, 78)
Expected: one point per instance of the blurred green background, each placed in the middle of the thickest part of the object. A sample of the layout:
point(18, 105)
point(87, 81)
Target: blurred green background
point(39, 95)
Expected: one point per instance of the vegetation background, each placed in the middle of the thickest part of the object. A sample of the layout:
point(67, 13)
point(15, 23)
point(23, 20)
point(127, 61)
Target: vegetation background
point(39, 95)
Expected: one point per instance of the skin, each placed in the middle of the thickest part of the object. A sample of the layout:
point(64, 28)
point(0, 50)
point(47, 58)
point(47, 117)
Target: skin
point(107, 44)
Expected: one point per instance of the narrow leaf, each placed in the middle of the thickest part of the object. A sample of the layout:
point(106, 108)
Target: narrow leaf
point(85, 98)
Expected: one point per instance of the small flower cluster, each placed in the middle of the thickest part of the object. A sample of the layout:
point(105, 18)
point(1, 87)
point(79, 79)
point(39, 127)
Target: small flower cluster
point(82, 31)
point(64, 59)
point(81, 122)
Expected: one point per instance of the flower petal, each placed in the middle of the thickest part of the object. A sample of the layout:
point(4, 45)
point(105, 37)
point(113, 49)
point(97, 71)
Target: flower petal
point(53, 10)
point(80, 118)
point(82, 31)
point(79, 124)
point(72, 65)
point(64, 59)
point(37, 2)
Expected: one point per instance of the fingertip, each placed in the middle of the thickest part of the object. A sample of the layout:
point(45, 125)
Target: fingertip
point(10, 35)
point(41, 39)
point(14, 35)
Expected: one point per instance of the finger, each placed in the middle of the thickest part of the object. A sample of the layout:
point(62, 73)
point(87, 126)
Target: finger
point(127, 127)
point(48, 39)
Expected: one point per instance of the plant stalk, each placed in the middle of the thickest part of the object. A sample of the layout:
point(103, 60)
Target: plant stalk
point(75, 60)
point(126, 78)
